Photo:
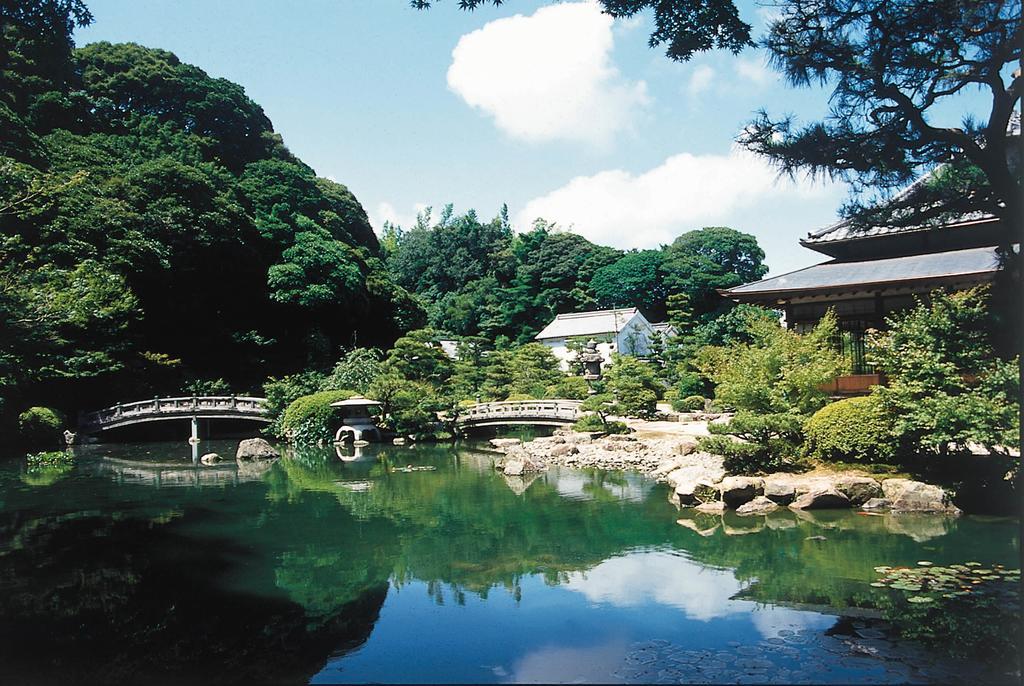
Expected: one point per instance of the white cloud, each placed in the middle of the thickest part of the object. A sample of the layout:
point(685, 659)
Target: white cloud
point(386, 212)
point(635, 580)
point(548, 76)
point(756, 70)
point(686, 191)
point(700, 80)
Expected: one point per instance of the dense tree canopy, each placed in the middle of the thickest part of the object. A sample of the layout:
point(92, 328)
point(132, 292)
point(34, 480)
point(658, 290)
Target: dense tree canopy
point(155, 228)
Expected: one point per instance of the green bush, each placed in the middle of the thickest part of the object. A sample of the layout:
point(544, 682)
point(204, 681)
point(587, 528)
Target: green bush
point(569, 388)
point(593, 422)
point(691, 403)
point(520, 397)
point(307, 419)
point(40, 427)
point(768, 442)
point(855, 429)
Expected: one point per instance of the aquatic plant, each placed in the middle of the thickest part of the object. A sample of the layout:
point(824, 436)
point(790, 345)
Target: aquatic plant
point(966, 610)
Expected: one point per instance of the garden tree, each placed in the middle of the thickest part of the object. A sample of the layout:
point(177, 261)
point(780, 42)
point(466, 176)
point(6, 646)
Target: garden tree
point(678, 312)
point(407, 407)
point(684, 27)
point(534, 369)
point(355, 370)
point(599, 407)
point(470, 375)
point(634, 280)
point(634, 385)
point(700, 262)
point(418, 357)
point(779, 371)
point(946, 387)
point(774, 382)
point(893, 68)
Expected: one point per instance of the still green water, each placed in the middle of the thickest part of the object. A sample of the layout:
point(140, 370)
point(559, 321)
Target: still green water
point(135, 566)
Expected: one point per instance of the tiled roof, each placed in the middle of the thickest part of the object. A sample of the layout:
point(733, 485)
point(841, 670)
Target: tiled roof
point(847, 229)
point(895, 269)
point(588, 323)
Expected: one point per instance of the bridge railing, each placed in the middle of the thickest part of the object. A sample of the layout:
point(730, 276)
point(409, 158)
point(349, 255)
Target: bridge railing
point(512, 409)
point(174, 406)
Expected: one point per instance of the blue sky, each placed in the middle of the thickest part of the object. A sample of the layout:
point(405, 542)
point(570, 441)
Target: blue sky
point(554, 109)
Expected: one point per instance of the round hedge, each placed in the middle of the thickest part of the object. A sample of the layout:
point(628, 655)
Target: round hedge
point(307, 419)
point(850, 430)
point(40, 427)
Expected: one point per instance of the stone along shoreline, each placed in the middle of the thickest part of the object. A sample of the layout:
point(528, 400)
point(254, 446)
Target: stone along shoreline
point(699, 480)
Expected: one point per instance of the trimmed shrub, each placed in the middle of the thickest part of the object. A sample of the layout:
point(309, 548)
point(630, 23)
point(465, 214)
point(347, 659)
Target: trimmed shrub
point(768, 441)
point(40, 427)
point(592, 422)
point(691, 403)
point(307, 419)
point(570, 388)
point(854, 429)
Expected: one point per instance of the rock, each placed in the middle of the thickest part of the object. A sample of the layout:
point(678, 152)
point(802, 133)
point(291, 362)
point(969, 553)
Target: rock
point(713, 507)
point(859, 489)
point(686, 446)
point(563, 450)
point(255, 449)
point(780, 492)
point(696, 491)
point(821, 499)
point(548, 439)
point(617, 438)
point(504, 442)
point(513, 468)
point(398, 440)
point(916, 496)
point(210, 458)
point(876, 504)
point(737, 490)
point(759, 505)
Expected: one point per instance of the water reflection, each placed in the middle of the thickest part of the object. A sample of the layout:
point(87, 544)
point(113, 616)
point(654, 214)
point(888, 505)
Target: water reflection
point(481, 577)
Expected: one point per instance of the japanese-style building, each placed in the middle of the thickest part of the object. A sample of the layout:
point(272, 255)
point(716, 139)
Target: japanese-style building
point(875, 272)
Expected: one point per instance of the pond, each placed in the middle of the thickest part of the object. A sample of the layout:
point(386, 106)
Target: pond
point(422, 564)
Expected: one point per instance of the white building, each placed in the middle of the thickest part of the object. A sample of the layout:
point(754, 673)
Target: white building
point(624, 331)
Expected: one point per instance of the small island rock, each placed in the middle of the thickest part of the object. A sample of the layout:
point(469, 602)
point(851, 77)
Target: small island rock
point(210, 458)
point(255, 449)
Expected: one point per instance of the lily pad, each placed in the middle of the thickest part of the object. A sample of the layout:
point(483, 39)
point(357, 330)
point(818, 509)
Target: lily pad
point(924, 563)
point(920, 599)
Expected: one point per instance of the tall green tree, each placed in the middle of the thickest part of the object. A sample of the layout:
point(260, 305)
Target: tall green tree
point(634, 280)
point(700, 262)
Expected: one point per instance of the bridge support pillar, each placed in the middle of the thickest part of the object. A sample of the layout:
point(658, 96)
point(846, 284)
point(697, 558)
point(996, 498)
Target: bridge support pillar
point(194, 440)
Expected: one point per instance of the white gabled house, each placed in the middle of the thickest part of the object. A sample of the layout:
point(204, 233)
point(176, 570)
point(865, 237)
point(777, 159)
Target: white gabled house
point(624, 331)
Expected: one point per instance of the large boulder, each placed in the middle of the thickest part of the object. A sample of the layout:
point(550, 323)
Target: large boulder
point(915, 496)
point(821, 499)
point(779, 491)
point(695, 484)
point(255, 449)
point(876, 504)
point(501, 443)
point(737, 490)
point(859, 489)
point(758, 506)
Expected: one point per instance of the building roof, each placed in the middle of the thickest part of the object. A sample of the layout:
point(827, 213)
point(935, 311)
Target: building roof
point(588, 323)
point(836, 274)
point(664, 327)
point(355, 401)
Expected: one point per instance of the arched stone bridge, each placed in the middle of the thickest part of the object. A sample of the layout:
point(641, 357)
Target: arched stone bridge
point(162, 409)
point(529, 412)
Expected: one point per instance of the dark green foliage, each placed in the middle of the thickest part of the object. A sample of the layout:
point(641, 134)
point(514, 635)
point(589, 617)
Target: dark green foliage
point(854, 429)
point(946, 387)
point(417, 356)
point(307, 420)
point(634, 280)
point(206, 387)
point(156, 230)
point(40, 427)
point(409, 408)
point(700, 262)
point(280, 393)
point(769, 442)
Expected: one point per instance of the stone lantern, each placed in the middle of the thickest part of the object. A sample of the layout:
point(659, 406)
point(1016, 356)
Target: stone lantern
point(591, 360)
